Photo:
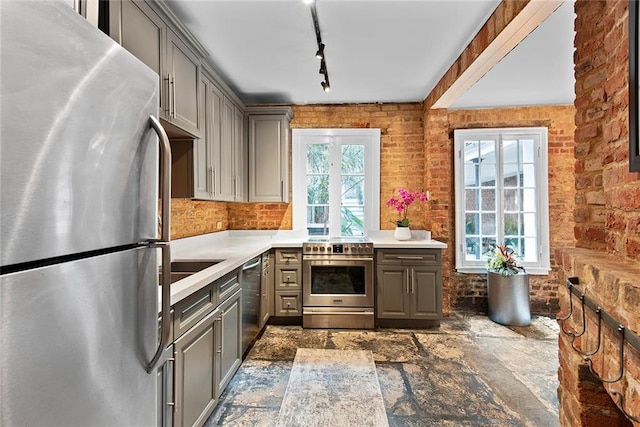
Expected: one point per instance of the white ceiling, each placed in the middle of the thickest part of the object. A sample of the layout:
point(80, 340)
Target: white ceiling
point(376, 50)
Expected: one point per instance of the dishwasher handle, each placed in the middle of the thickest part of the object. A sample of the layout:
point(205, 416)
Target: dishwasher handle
point(250, 266)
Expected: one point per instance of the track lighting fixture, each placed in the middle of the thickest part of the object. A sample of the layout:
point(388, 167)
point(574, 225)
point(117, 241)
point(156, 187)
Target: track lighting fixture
point(320, 52)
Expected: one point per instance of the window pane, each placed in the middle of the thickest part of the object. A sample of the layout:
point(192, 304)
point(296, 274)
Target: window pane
point(352, 159)
point(472, 223)
point(527, 150)
point(511, 200)
point(471, 152)
point(528, 176)
point(529, 251)
point(529, 200)
point(471, 201)
point(471, 175)
point(472, 249)
point(317, 158)
point(510, 224)
point(488, 200)
point(488, 175)
point(487, 243)
point(488, 152)
point(353, 190)
point(488, 224)
point(528, 225)
point(318, 220)
point(352, 221)
point(317, 189)
point(511, 176)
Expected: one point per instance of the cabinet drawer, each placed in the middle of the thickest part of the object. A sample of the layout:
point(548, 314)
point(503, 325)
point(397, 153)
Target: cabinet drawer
point(288, 278)
point(227, 285)
point(288, 303)
point(192, 309)
point(284, 256)
point(406, 257)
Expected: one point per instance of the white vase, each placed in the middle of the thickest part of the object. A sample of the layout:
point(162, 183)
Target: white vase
point(402, 233)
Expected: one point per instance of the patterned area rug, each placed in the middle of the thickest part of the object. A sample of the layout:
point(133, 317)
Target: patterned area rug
point(333, 388)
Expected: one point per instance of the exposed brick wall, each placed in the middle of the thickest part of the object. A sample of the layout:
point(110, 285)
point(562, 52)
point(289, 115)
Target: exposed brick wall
point(401, 145)
point(466, 290)
point(195, 217)
point(608, 196)
point(259, 216)
point(607, 219)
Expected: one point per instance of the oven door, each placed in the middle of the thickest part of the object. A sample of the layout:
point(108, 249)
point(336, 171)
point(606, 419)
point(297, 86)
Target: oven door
point(337, 282)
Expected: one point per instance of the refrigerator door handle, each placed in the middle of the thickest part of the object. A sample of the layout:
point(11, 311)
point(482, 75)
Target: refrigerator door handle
point(165, 224)
point(165, 314)
point(165, 177)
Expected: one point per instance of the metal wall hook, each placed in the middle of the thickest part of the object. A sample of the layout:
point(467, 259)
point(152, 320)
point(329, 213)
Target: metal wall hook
point(621, 360)
point(575, 334)
point(591, 353)
point(562, 319)
point(621, 406)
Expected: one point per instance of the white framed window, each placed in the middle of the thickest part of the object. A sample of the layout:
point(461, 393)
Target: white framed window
point(501, 195)
point(336, 181)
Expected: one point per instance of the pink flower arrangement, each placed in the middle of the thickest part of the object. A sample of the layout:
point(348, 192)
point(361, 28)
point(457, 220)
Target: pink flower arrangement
point(402, 203)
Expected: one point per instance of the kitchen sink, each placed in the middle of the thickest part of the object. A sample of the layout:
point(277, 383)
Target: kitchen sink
point(185, 268)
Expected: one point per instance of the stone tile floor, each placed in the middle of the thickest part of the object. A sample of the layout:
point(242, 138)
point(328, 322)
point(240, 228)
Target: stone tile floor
point(469, 372)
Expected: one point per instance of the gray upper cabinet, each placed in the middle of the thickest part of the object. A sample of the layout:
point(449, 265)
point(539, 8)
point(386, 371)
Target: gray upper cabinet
point(269, 154)
point(183, 74)
point(141, 31)
point(151, 34)
point(207, 149)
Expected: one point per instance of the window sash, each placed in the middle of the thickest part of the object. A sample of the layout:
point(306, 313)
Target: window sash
point(336, 139)
point(479, 223)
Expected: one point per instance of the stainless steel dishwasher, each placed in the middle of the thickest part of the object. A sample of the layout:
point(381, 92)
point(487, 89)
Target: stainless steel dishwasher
point(250, 282)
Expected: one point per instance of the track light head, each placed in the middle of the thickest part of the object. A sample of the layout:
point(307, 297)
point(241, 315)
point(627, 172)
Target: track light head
point(323, 68)
point(320, 52)
point(325, 86)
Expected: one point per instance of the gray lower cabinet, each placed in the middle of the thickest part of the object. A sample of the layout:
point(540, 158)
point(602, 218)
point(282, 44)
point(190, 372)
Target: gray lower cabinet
point(207, 349)
point(288, 283)
point(165, 389)
point(195, 382)
point(409, 284)
point(229, 342)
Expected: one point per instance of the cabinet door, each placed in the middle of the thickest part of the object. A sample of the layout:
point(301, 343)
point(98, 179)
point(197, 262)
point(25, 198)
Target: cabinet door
point(229, 342)
point(195, 385)
point(267, 162)
point(426, 293)
point(202, 170)
point(392, 292)
point(215, 117)
point(141, 31)
point(184, 71)
point(227, 170)
point(239, 156)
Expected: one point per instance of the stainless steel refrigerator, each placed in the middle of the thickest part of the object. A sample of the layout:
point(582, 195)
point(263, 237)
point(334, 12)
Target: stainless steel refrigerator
point(79, 166)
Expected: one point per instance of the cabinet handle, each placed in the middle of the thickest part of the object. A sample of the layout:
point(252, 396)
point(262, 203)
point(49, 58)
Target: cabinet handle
point(410, 257)
point(167, 105)
point(209, 179)
point(213, 181)
point(408, 287)
point(281, 190)
point(173, 85)
point(235, 187)
point(411, 280)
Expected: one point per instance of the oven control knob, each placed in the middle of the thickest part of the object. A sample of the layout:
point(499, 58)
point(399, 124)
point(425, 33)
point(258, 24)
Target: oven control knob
point(315, 248)
point(321, 248)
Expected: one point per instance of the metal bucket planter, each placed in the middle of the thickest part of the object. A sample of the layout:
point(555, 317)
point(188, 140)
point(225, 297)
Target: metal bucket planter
point(509, 299)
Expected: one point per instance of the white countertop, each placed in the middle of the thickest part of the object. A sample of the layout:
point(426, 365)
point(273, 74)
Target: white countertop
point(237, 247)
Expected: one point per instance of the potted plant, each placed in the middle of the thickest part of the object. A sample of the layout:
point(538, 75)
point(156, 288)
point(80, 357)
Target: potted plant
point(507, 287)
point(401, 205)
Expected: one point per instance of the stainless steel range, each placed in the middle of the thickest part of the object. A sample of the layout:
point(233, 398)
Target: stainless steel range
point(337, 283)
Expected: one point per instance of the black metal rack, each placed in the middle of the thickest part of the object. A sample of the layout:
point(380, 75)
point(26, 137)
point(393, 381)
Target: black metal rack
point(626, 336)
